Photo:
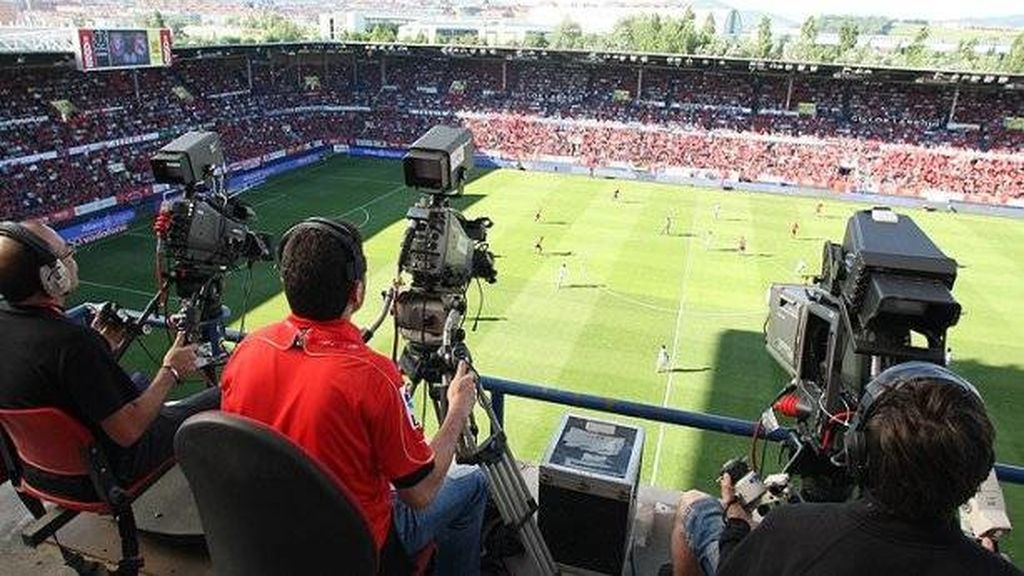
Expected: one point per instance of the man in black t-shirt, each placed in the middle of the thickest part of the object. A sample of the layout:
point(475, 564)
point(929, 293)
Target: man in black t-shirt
point(925, 445)
point(48, 360)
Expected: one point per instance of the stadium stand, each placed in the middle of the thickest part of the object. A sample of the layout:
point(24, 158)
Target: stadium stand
point(68, 137)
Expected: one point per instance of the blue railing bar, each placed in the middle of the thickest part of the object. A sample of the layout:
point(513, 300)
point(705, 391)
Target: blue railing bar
point(499, 387)
point(712, 422)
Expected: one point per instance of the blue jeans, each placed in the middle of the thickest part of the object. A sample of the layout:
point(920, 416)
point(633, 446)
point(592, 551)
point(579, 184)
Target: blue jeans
point(703, 525)
point(452, 521)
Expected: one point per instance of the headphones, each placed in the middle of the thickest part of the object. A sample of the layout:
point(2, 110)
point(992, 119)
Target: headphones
point(357, 263)
point(855, 439)
point(54, 276)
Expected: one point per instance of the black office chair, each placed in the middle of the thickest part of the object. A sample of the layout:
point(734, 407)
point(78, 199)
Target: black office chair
point(268, 509)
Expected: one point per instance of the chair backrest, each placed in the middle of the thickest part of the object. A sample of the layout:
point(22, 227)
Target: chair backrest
point(48, 439)
point(266, 507)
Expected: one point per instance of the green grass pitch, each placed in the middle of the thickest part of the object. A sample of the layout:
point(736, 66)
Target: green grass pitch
point(629, 289)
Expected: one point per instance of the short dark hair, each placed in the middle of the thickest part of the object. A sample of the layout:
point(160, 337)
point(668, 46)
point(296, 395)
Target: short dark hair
point(930, 446)
point(19, 271)
point(319, 272)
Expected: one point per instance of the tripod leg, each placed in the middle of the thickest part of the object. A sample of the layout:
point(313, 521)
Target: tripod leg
point(514, 501)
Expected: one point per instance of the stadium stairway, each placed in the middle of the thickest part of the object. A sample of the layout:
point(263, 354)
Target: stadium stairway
point(96, 537)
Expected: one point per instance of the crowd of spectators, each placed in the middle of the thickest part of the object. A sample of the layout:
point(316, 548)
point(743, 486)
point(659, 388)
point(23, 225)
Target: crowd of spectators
point(797, 130)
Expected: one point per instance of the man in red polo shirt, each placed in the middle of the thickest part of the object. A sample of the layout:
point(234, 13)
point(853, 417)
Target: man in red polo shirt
point(313, 379)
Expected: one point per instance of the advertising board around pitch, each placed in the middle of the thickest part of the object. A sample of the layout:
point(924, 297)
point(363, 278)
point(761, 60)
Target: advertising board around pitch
point(589, 479)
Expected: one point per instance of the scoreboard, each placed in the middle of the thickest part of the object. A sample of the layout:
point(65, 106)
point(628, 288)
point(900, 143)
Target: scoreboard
point(106, 49)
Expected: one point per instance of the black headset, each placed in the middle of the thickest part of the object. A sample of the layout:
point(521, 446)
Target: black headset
point(54, 276)
point(357, 261)
point(855, 440)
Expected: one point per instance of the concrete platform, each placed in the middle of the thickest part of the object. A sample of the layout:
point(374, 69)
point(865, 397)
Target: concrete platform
point(179, 554)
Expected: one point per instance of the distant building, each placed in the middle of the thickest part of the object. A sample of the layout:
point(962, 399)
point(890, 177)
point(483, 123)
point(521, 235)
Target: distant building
point(335, 25)
point(8, 13)
point(491, 33)
point(593, 16)
point(597, 17)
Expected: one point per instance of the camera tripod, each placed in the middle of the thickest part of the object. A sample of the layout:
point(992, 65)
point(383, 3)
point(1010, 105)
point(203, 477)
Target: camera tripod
point(511, 495)
point(201, 317)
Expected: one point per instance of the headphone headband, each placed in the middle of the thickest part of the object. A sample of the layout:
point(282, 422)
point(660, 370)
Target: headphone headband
point(890, 379)
point(336, 230)
point(54, 277)
point(15, 231)
point(900, 374)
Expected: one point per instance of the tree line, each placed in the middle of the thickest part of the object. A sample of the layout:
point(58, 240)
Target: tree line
point(684, 35)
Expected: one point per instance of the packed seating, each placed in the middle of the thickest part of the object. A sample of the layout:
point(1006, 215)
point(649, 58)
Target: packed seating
point(762, 126)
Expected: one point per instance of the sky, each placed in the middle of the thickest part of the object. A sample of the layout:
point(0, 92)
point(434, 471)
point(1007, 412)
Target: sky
point(924, 9)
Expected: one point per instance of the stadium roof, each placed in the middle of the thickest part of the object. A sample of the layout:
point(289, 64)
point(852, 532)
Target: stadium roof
point(36, 40)
point(634, 59)
point(54, 56)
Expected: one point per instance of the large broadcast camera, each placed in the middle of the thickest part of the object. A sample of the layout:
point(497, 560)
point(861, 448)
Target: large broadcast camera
point(882, 298)
point(444, 252)
point(441, 250)
point(201, 236)
point(205, 232)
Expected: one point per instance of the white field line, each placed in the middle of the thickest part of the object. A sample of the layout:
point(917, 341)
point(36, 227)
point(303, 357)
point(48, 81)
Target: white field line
point(361, 207)
point(118, 288)
point(691, 248)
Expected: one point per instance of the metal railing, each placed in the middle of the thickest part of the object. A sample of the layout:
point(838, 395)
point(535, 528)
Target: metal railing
point(500, 388)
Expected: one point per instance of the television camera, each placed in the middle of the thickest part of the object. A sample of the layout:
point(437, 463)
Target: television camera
point(443, 252)
point(882, 298)
point(201, 235)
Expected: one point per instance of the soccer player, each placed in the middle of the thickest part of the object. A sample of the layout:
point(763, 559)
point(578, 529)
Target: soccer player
point(663, 363)
point(743, 245)
point(667, 229)
point(717, 210)
point(820, 209)
point(536, 217)
point(563, 275)
point(615, 195)
point(794, 230)
point(538, 246)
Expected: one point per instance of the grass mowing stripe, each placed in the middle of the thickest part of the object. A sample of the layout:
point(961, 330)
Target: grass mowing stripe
point(676, 356)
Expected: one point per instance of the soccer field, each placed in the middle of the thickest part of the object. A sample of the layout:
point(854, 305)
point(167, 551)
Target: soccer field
point(629, 289)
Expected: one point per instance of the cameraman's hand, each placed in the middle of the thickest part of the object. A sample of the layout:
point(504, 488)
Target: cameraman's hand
point(462, 392)
point(114, 335)
point(181, 356)
point(732, 506)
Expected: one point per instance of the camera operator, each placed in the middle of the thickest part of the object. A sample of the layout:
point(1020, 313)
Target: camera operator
point(48, 360)
point(927, 446)
point(313, 379)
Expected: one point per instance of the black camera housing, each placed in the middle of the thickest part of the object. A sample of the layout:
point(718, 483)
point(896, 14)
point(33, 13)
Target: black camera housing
point(886, 283)
point(439, 161)
point(188, 159)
